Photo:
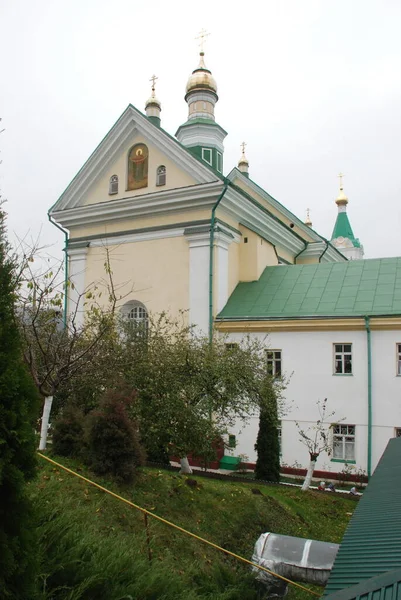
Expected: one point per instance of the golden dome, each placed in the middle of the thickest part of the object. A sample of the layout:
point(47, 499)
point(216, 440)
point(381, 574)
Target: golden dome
point(153, 101)
point(341, 198)
point(201, 78)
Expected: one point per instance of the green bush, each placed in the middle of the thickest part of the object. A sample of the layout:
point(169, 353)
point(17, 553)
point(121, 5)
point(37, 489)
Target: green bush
point(68, 431)
point(18, 409)
point(267, 447)
point(112, 439)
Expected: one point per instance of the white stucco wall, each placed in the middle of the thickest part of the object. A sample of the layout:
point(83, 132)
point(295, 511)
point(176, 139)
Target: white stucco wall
point(308, 362)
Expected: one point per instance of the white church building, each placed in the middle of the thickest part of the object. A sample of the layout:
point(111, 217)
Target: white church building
point(184, 236)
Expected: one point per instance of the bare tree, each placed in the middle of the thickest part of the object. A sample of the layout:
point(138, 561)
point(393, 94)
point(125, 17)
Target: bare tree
point(317, 439)
point(56, 347)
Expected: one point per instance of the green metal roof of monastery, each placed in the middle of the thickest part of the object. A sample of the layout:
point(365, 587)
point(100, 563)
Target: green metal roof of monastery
point(342, 228)
point(352, 288)
point(371, 545)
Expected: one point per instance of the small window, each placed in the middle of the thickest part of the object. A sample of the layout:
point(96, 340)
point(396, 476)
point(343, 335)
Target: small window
point(137, 316)
point(219, 162)
point(344, 442)
point(230, 346)
point(397, 432)
point(232, 442)
point(161, 175)
point(207, 155)
point(398, 359)
point(274, 363)
point(113, 185)
point(342, 359)
point(245, 240)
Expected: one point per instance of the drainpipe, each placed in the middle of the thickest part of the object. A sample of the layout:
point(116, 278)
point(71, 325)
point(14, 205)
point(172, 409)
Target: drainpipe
point(65, 267)
point(211, 257)
point(303, 250)
point(324, 251)
point(369, 347)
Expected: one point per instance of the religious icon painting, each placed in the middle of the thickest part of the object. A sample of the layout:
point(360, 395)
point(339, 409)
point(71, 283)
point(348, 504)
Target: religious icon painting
point(138, 159)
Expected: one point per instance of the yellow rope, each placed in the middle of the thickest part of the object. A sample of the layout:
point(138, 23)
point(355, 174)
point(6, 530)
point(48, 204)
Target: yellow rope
point(197, 537)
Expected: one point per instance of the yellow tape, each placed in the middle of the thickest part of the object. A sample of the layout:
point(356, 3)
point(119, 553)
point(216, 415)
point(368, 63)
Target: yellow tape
point(193, 535)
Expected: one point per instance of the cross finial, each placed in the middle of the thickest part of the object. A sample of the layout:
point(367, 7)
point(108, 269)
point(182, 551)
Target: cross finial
point(243, 147)
point(153, 80)
point(307, 214)
point(203, 34)
point(340, 175)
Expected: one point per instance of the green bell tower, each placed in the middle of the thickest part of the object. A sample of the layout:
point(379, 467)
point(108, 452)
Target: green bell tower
point(200, 133)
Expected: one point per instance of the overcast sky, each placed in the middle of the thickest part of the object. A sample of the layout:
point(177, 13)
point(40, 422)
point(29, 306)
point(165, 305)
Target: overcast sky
point(312, 86)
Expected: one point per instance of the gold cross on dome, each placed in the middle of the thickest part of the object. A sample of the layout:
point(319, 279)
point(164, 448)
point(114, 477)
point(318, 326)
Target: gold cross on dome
point(153, 80)
point(340, 175)
point(243, 147)
point(203, 34)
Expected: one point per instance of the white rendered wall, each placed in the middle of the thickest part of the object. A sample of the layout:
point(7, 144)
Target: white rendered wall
point(76, 276)
point(308, 362)
point(199, 255)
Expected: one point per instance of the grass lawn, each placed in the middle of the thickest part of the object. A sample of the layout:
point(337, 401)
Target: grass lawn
point(93, 546)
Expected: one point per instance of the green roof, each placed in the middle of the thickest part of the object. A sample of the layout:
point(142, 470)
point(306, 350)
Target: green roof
point(342, 228)
point(372, 542)
point(352, 288)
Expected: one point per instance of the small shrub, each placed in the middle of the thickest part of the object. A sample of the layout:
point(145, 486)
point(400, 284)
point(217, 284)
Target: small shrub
point(68, 432)
point(112, 440)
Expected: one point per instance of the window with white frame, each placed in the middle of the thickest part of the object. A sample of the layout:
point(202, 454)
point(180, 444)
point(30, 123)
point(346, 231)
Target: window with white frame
point(274, 363)
point(136, 316)
point(397, 432)
point(113, 185)
point(344, 442)
point(161, 175)
point(207, 155)
point(342, 359)
point(230, 346)
point(398, 359)
point(219, 162)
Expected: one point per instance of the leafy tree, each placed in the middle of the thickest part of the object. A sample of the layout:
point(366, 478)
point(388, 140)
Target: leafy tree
point(18, 406)
point(317, 439)
point(191, 391)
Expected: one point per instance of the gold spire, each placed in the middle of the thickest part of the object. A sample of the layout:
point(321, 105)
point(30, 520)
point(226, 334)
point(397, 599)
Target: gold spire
point(201, 78)
point(342, 199)
point(308, 221)
point(243, 160)
point(153, 101)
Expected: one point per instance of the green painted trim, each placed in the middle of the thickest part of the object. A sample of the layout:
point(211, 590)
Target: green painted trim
point(345, 462)
point(65, 266)
point(211, 257)
point(369, 349)
point(155, 121)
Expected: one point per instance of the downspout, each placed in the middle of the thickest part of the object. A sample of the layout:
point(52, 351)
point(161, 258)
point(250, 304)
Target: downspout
point(324, 251)
point(303, 250)
point(369, 347)
point(65, 267)
point(211, 258)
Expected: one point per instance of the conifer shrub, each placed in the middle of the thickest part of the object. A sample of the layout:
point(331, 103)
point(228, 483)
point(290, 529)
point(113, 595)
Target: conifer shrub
point(112, 439)
point(267, 447)
point(19, 405)
point(68, 431)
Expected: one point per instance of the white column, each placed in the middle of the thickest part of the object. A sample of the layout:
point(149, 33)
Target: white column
point(76, 277)
point(222, 242)
point(199, 256)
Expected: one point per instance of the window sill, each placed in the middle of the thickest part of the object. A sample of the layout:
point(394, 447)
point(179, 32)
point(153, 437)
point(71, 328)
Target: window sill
point(344, 461)
point(343, 374)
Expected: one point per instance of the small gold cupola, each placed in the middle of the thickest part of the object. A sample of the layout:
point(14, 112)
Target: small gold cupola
point(243, 163)
point(308, 221)
point(153, 107)
point(342, 199)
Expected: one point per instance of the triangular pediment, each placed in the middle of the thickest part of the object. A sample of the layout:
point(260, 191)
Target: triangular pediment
point(91, 184)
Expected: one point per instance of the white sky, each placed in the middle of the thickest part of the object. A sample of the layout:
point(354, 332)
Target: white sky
point(312, 86)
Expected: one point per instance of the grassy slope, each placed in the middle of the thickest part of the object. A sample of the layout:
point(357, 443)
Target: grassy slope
point(94, 546)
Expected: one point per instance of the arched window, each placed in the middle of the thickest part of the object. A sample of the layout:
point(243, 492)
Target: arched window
point(136, 316)
point(161, 175)
point(113, 185)
point(138, 158)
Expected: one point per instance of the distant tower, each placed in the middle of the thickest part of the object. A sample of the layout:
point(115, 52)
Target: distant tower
point(343, 237)
point(308, 221)
point(153, 107)
point(243, 163)
point(200, 133)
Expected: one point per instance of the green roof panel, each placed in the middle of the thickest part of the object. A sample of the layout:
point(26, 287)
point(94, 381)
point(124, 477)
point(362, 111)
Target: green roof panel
point(353, 288)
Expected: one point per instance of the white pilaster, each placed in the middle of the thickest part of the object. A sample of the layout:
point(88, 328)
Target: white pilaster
point(76, 277)
point(222, 242)
point(199, 256)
